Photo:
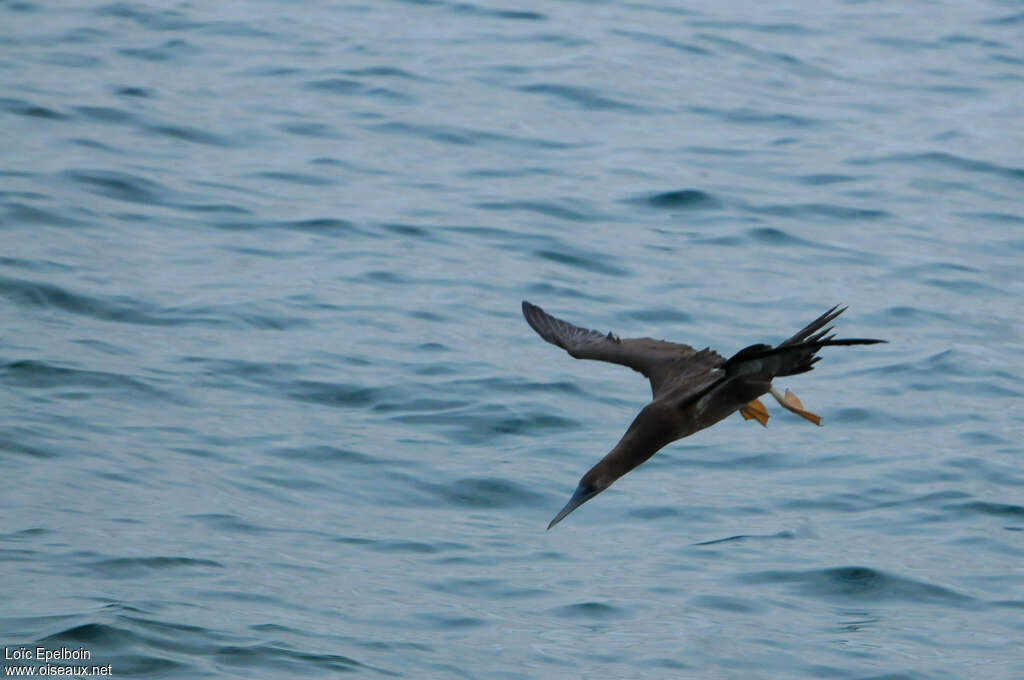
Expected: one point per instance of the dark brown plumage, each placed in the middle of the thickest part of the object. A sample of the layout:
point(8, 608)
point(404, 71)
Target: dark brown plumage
point(691, 389)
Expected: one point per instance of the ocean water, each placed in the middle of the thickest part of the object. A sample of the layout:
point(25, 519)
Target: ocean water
point(269, 408)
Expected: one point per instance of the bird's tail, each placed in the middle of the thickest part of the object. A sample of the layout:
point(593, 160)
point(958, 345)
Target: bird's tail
point(795, 355)
point(785, 359)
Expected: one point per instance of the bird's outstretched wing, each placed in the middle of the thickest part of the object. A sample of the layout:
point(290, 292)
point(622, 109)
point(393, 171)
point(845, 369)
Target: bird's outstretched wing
point(666, 364)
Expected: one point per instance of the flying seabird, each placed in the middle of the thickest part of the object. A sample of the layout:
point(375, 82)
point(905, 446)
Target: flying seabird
point(691, 389)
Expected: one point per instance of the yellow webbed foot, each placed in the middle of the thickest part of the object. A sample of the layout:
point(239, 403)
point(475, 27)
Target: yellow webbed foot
point(791, 402)
point(757, 411)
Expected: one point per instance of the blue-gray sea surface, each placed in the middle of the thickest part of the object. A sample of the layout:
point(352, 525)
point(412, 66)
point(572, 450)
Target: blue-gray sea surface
point(269, 407)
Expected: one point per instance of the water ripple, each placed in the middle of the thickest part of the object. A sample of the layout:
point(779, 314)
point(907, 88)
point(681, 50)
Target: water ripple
point(861, 584)
point(691, 199)
point(948, 160)
point(22, 107)
point(582, 97)
point(452, 135)
point(127, 310)
point(597, 611)
point(120, 186)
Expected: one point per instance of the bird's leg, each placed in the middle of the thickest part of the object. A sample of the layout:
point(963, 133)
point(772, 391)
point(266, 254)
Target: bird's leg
point(790, 402)
point(757, 411)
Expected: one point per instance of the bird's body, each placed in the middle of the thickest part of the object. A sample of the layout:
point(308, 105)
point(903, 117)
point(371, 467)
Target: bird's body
point(691, 389)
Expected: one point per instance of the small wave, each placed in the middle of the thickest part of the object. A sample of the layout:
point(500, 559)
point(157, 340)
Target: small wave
point(858, 583)
point(120, 186)
point(167, 51)
point(775, 237)
point(295, 178)
point(811, 210)
point(350, 87)
point(966, 287)
point(128, 310)
point(290, 661)
point(134, 91)
point(655, 512)
point(137, 567)
point(484, 423)
point(460, 136)
point(943, 159)
point(326, 226)
point(1012, 19)
point(548, 208)
point(662, 41)
point(486, 588)
point(822, 179)
point(661, 315)
point(334, 394)
point(748, 537)
point(514, 14)
point(311, 129)
point(323, 455)
point(21, 213)
point(228, 523)
point(104, 114)
point(37, 374)
point(726, 603)
point(747, 116)
point(591, 262)
point(483, 492)
point(988, 508)
point(22, 107)
point(191, 134)
point(14, 440)
point(589, 610)
point(384, 72)
point(583, 97)
point(691, 199)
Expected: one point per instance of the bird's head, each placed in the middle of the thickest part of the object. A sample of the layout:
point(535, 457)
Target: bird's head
point(592, 484)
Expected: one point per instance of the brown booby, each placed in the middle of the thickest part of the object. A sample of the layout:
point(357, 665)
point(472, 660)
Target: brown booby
point(691, 389)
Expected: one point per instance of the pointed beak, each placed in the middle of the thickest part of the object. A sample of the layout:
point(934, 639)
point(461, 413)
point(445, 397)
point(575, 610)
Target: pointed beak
point(579, 497)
